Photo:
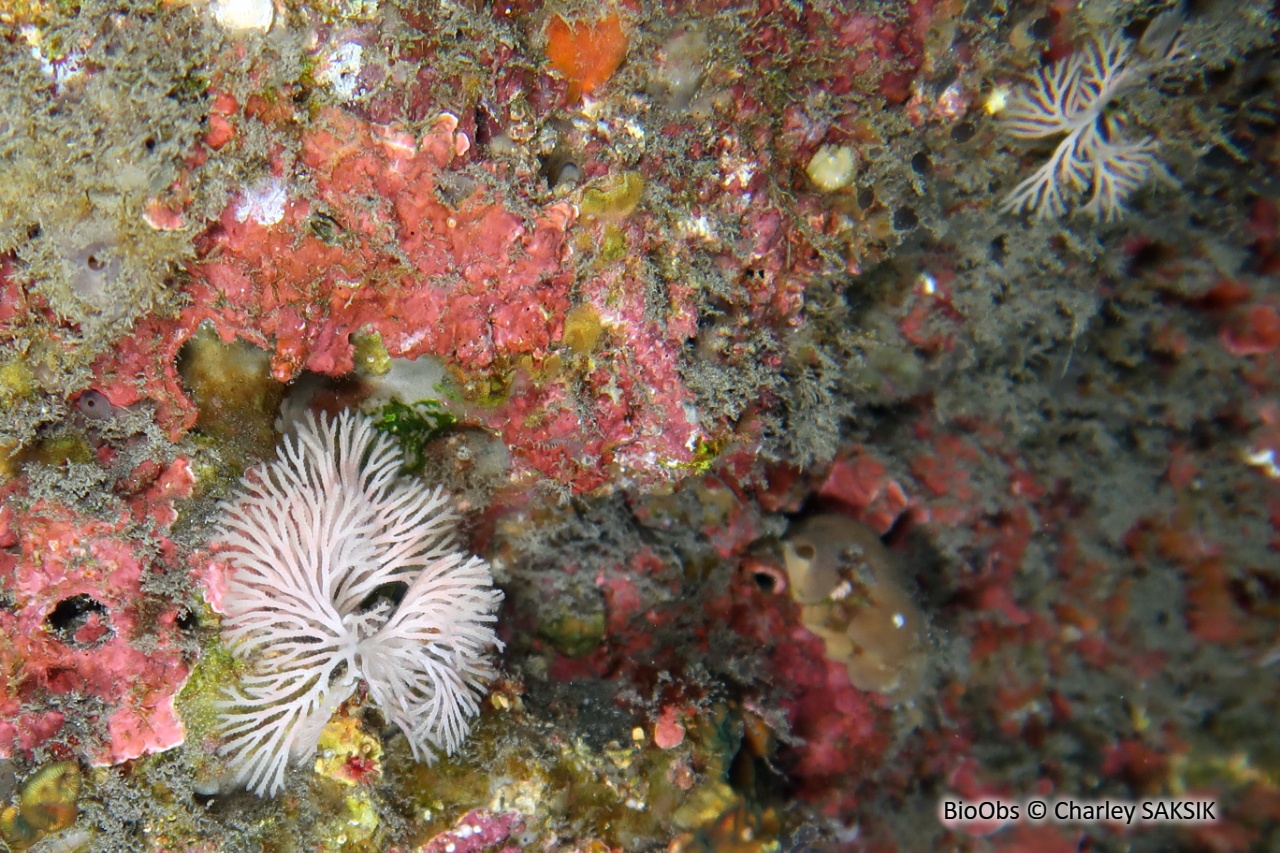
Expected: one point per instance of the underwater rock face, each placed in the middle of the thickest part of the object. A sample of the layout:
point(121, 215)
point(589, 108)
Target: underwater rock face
point(668, 296)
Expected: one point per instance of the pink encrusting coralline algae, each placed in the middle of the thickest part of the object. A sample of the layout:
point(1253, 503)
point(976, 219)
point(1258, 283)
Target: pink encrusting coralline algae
point(84, 628)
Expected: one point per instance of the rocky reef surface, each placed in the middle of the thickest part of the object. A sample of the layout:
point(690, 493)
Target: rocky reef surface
point(864, 408)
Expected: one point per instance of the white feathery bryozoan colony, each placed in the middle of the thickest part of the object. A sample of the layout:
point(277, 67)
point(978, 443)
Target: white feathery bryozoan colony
point(321, 543)
point(1072, 99)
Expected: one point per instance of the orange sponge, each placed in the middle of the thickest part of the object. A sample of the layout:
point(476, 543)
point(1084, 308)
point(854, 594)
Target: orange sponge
point(586, 53)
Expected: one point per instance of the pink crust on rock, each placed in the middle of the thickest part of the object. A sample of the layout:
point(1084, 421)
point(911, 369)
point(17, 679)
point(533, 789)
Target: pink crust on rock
point(13, 299)
point(668, 731)
point(486, 288)
point(56, 556)
point(859, 484)
point(430, 278)
point(477, 830)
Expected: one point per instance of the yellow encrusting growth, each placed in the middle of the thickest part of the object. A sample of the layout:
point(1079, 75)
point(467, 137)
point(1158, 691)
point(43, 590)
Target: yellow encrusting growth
point(370, 354)
point(616, 197)
point(583, 330)
point(232, 387)
point(16, 381)
point(347, 753)
point(47, 804)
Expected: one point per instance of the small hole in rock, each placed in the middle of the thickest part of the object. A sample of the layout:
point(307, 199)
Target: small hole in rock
point(79, 621)
point(999, 251)
point(765, 581)
point(484, 129)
